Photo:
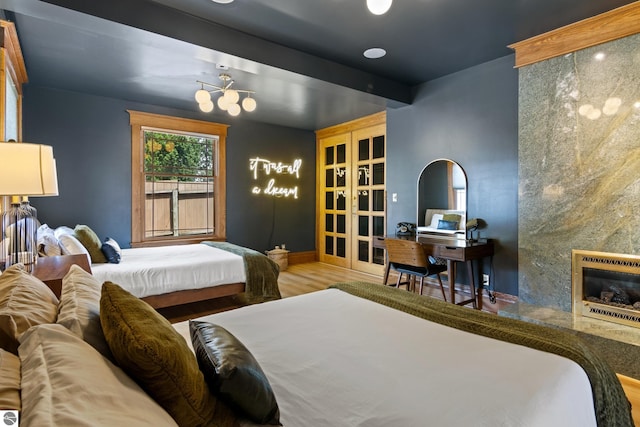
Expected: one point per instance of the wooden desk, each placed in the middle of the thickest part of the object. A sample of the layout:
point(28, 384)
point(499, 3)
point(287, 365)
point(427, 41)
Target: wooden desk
point(451, 250)
point(51, 269)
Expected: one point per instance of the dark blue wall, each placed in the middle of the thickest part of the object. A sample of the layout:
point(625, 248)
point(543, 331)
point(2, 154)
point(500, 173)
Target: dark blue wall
point(260, 221)
point(91, 138)
point(470, 117)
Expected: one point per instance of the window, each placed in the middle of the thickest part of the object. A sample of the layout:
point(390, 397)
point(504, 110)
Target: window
point(178, 180)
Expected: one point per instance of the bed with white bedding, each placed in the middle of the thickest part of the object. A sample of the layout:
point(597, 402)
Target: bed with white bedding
point(172, 275)
point(338, 358)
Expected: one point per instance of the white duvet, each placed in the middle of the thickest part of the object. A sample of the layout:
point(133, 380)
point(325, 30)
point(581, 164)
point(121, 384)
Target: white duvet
point(160, 270)
point(334, 359)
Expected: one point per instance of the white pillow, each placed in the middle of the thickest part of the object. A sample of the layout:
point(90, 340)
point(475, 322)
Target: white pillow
point(435, 219)
point(71, 246)
point(63, 229)
point(48, 244)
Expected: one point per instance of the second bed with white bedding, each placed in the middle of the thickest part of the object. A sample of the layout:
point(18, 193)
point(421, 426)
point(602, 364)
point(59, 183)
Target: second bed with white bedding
point(161, 270)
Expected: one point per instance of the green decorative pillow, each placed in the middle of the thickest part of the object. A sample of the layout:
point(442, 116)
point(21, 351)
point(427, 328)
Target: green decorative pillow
point(232, 372)
point(91, 241)
point(452, 217)
point(150, 350)
point(24, 302)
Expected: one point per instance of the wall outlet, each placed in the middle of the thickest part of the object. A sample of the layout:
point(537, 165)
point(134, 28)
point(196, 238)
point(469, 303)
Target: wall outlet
point(485, 280)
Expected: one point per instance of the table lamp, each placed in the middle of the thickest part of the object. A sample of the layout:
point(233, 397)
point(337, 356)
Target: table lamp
point(26, 170)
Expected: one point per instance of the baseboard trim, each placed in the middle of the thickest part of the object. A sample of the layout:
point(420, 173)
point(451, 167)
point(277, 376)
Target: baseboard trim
point(505, 297)
point(302, 257)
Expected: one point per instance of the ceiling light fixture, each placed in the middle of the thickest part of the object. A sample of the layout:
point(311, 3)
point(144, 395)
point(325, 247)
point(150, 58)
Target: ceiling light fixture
point(228, 101)
point(374, 53)
point(223, 1)
point(379, 7)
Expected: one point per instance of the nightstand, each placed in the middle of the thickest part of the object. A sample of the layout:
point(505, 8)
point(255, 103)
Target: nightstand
point(51, 269)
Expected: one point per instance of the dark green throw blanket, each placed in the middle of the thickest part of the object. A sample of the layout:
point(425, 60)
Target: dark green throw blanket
point(611, 405)
point(262, 273)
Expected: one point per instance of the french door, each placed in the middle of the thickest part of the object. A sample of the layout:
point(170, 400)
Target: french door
point(352, 204)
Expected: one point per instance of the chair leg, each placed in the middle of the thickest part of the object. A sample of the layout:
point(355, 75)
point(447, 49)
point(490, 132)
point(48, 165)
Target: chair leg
point(444, 295)
point(421, 283)
point(399, 279)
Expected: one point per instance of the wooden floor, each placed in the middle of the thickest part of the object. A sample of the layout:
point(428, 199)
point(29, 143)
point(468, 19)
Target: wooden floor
point(310, 277)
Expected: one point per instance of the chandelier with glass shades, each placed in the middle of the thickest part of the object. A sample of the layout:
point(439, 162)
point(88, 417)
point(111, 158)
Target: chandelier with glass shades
point(229, 98)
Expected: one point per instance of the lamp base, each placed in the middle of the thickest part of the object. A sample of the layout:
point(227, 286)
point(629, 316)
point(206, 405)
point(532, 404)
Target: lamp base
point(19, 232)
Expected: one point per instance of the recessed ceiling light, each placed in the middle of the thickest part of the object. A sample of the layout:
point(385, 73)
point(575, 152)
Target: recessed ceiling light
point(222, 1)
point(379, 7)
point(374, 53)
point(599, 56)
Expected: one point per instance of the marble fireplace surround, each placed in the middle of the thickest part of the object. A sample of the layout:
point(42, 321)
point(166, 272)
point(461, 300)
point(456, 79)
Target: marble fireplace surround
point(579, 164)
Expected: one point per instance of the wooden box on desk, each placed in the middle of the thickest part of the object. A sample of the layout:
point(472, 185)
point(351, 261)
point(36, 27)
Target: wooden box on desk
point(52, 269)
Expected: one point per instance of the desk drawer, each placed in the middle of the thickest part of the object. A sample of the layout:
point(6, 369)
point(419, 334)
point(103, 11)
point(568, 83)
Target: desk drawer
point(449, 252)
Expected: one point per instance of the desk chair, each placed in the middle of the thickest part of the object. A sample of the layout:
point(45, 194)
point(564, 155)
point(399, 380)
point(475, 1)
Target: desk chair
point(408, 257)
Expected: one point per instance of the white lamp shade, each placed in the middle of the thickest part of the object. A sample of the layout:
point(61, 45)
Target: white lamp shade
point(202, 96)
point(233, 109)
point(27, 170)
point(249, 104)
point(207, 107)
point(222, 103)
point(379, 7)
point(231, 96)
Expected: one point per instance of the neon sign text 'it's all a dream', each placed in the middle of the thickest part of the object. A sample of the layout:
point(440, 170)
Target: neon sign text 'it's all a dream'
point(263, 167)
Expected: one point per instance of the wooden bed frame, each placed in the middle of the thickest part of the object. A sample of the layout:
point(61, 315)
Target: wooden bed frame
point(193, 295)
point(52, 269)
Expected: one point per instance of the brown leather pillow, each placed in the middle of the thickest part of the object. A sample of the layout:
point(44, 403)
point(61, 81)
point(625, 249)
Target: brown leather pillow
point(232, 372)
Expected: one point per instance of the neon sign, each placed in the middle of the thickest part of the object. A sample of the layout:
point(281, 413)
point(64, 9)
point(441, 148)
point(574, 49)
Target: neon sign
point(263, 167)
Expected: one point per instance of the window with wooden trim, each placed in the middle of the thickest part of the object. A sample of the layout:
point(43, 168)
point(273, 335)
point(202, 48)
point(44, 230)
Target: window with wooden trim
point(178, 180)
point(13, 75)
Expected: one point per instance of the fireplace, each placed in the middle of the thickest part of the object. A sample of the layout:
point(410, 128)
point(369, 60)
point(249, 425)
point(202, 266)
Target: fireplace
point(606, 286)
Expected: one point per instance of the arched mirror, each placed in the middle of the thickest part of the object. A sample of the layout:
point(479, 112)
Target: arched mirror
point(442, 199)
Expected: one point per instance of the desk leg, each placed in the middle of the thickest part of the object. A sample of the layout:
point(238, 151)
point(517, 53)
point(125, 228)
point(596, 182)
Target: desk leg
point(386, 274)
point(472, 285)
point(451, 272)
